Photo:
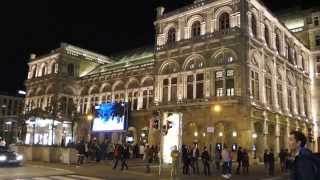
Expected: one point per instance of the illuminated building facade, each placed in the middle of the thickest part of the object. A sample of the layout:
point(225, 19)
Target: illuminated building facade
point(230, 70)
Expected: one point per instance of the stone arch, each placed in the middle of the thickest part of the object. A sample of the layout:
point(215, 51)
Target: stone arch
point(52, 66)
point(84, 91)
point(172, 25)
point(33, 71)
point(223, 56)
point(219, 12)
point(43, 69)
point(196, 59)
point(133, 83)
point(147, 81)
point(118, 86)
point(193, 19)
point(40, 91)
point(68, 90)
point(93, 89)
point(255, 57)
point(105, 87)
point(168, 67)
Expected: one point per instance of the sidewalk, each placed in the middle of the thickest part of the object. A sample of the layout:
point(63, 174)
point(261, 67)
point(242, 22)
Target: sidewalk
point(137, 171)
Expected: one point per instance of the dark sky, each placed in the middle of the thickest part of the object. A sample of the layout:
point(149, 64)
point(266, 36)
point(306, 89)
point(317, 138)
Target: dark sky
point(103, 26)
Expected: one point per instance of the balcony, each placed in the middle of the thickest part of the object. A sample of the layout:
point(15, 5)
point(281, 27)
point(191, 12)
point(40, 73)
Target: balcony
point(216, 35)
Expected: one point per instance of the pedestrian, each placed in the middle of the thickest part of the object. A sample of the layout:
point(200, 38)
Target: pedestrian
point(245, 162)
point(206, 161)
point(175, 158)
point(194, 159)
point(148, 158)
point(185, 168)
point(271, 162)
point(116, 155)
point(265, 161)
point(282, 157)
point(124, 157)
point(239, 159)
point(226, 160)
point(288, 160)
point(97, 150)
point(103, 148)
point(305, 166)
point(81, 152)
point(217, 158)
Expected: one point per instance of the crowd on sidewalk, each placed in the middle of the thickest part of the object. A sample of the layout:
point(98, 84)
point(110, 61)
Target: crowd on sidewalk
point(297, 160)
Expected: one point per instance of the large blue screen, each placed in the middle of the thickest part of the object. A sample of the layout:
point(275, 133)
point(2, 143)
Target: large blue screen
point(110, 117)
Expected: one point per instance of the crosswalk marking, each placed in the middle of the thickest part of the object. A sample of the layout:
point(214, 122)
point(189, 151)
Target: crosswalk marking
point(84, 177)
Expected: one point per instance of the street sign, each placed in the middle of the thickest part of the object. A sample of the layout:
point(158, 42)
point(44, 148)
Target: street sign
point(210, 129)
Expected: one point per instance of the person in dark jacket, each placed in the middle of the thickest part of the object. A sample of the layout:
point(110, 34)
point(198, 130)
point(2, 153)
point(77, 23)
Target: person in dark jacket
point(117, 155)
point(206, 161)
point(185, 168)
point(194, 159)
point(239, 159)
point(125, 154)
point(265, 161)
point(271, 162)
point(81, 152)
point(303, 166)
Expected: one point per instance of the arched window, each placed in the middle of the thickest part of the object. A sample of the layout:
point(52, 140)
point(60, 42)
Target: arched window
point(171, 35)
point(43, 71)
point(278, 43)
point(54, 68)
point(224, 21)
point(70, 69)
point(34, 72)
point(266, 36)
point(196, 29)
point(254, 25)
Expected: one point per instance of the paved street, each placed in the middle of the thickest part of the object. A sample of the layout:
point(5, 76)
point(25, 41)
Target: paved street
point(97, 171)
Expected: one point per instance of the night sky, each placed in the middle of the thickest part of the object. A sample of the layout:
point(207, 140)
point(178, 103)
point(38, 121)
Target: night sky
point(101, 26)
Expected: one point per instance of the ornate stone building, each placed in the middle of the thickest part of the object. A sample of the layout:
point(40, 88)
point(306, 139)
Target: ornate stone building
point(233, 70)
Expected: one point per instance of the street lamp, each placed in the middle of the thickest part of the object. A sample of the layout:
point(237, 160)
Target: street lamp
point(217, 108)
point(89, 117)
point(234, 134)
point(195, 134)
point(254, 136)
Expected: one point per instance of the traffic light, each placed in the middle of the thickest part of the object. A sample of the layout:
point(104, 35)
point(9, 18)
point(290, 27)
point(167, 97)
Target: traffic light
point(169, 124)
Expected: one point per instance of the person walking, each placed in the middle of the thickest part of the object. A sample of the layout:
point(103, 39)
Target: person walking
point(239, 159)
point(271, 162)
point(194, 159)
point(265, 161)
point(305, 166)
point(217, 158)
point(205, 160)
point(124, 157)
point(282, 157)
point(245, 162)
point(175, 158)
point(185, 168)
point(81, 152)
point(116, 155)
point(148, 158)
point(226, 159)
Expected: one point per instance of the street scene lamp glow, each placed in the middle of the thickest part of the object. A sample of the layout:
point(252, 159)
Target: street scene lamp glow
point(204, 134)
point(217, 108)
point(234, 134)
point(195, 134)
point(89, 117)
point(254, 135)
point(220, 134)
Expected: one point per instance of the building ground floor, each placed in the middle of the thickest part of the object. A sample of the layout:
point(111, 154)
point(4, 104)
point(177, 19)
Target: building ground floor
point(211, 125)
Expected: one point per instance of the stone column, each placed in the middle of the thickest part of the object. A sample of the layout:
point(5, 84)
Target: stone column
point(265, 131)
point(249, 23)
point(277, 133)
point(286, 136)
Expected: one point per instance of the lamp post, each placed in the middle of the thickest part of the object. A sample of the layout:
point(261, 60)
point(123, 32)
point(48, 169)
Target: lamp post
point(254, 136)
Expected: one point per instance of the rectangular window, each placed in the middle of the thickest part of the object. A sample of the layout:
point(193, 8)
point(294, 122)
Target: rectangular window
point(190, 87)
point(290, 100)
point(316, 21)
point(279, 94)
point(219, 88)
point(255, 85)
point(317, 38)
point(174, 89)
point(165, 90)
point(145, 99)
point(268, 91)
point(230, 87)
point(199, 86)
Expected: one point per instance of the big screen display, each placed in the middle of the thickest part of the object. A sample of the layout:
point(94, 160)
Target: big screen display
point(110, 117)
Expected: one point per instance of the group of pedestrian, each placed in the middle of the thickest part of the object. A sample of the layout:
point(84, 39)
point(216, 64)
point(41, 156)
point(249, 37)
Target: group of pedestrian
point(268, 161)
point(121, 153)
point(243, 161)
